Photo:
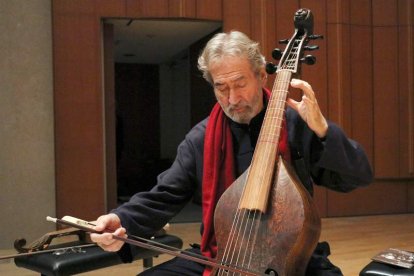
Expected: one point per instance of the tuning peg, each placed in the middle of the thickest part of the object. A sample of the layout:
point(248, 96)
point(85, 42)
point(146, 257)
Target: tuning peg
point(270, 68)
point(309, 60)
point(277, 53)
point(315, 36)
point(311, 47)
point(284, 41)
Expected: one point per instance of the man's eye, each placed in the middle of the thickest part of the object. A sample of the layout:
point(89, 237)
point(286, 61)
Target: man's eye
point(221, 89)
point(241, 85)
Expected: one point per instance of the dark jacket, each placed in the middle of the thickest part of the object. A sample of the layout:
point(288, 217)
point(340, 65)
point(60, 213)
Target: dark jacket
point(335, 162)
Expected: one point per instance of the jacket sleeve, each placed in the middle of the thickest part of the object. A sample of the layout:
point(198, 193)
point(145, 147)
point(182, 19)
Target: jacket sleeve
point(338, 162)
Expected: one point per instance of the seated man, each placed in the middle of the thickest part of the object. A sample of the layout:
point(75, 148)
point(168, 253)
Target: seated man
point(319, 152)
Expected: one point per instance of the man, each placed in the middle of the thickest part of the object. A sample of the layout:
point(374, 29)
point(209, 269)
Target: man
point(319, 152)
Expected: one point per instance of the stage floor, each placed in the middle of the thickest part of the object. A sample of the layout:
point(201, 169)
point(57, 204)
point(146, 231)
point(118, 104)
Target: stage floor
point(353, 240)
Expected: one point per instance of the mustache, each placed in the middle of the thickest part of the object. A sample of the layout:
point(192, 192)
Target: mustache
point(234, 107)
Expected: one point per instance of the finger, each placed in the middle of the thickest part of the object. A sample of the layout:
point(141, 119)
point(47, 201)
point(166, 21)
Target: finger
point(304, 86)
point(105, 238)
point(307, 100)
point(292, 103)
point(108, 243)
point(115, 246)
point(108, 238)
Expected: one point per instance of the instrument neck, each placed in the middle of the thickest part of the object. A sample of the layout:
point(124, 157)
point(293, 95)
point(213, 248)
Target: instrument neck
point(259, 180)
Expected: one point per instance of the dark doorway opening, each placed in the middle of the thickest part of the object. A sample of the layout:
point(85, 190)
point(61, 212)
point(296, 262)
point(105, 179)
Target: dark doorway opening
point(137, 128)
point(159, 95)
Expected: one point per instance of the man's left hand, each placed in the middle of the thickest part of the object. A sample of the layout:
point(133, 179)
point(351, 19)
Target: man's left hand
point(308, 108)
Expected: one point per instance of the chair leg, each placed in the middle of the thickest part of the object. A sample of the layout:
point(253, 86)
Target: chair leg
point(147, 262)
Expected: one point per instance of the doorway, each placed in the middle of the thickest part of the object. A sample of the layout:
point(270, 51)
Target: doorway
point(159, 95)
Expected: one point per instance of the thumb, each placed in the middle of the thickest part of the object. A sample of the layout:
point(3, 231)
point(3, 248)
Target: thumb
point(102, 223)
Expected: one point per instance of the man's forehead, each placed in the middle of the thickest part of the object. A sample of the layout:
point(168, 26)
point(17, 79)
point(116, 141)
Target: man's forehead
point(231, 79)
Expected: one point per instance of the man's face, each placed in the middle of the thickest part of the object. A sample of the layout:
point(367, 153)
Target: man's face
point(237, 88)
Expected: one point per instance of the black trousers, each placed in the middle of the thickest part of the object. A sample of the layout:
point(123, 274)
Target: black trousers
point(319, 265)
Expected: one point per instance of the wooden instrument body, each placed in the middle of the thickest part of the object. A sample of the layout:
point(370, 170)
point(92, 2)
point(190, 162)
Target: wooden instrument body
point(287, 235)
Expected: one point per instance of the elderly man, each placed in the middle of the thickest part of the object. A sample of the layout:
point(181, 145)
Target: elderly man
point(319, 152)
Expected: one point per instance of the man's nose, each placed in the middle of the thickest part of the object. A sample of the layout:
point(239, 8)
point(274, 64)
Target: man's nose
point(234, 97)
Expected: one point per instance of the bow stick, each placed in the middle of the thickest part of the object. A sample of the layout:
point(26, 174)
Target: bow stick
point(148, 244)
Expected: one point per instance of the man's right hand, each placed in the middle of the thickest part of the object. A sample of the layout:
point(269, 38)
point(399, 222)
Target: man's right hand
point(111, 224)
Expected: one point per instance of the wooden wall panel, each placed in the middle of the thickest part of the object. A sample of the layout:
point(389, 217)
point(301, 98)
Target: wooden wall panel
point(110, 117)
point(237, 16)
point(338, 74)
point(385, 12)
point(144, 8)
point(182, 8)
point(78, 104)
point(386, 112)
point(107, 8)
point(350, 69)
point(338, 11)
point(406, 86)
point(361, 66)
point(360, 12)
point(379, 198)
point(79, 144)
point(263, 27)
point(209, 9)
point(338, 67)
point(385, 69)
point(354, 109)
point(192, 9)
point(362, 105)
point(285, 9)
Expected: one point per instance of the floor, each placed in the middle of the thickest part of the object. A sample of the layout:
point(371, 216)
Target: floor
point(353, 240)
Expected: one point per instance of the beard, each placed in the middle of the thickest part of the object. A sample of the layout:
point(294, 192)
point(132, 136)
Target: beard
point(243, 112)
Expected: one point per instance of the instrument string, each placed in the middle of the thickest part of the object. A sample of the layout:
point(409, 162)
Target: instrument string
point(232, 239)
point(236, 240)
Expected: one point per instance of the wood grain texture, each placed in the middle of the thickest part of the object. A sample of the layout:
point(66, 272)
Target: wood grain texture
point(386, 102)
point(78, 111)
point(209, 9)
point(406, 86)
point(182, 8)
point(237, 16)
point(381, 197)
point(149, 9)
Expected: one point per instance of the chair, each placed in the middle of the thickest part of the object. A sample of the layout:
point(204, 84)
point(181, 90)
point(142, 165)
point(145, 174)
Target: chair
point(380, 269)
point(88, 258)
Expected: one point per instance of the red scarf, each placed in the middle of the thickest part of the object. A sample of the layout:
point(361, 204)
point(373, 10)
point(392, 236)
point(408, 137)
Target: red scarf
point(219, 171)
